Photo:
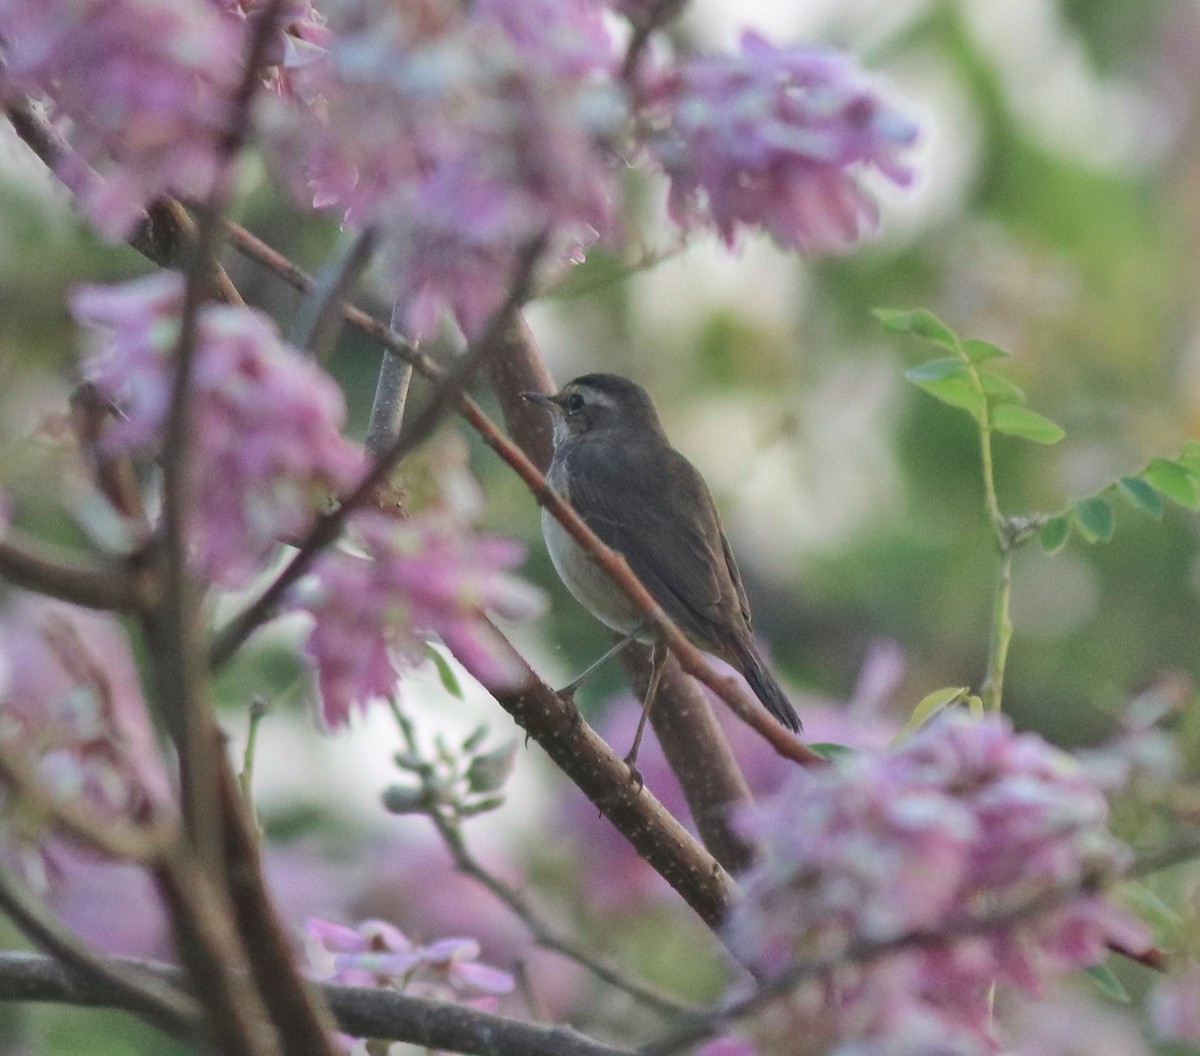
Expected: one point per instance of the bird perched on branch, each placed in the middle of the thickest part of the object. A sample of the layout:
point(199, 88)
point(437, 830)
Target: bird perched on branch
point(614, 464)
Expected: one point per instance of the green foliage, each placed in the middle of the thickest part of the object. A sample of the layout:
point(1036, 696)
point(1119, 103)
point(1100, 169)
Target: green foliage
point(1107, 983)
point(933, 703)
point(958, 380)
point(998, 406)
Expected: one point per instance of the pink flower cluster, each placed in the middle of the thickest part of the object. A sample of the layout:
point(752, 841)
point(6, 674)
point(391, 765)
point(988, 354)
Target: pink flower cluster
point(463, 132)
point(268, 449)
point(141, 87)
point(778, 137)
point(375, 953)
point(965, 819)
point(373, 606)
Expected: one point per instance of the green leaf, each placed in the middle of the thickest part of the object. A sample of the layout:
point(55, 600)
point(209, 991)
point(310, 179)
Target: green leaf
point(445, 672)
point(1055, 533)
point(1190, 459)
point(937, 370)
point(1000, 390)
point(920, 323)
point(1175, 482)
point(929, 706)
point(1107, 983)
point(1094, 518)
point(833, 752)
point(1015, 420)
point(1141, 495)
point(1157, 913)
point(979, 351)
point(948, 380)
point(975, 705)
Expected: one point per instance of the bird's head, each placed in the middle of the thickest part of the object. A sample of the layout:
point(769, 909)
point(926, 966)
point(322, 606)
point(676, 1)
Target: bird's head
point(596, 402)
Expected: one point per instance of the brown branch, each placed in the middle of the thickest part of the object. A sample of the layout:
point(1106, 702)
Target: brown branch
point(360, 1011)
point(294, 1004)
point(93, 588)
point(582, 754)
point(155, 1000)
point(699, 754)
point(215, 957)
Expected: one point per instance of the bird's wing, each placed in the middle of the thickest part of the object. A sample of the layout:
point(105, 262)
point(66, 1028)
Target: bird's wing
point(653, 507)
point(736, 576)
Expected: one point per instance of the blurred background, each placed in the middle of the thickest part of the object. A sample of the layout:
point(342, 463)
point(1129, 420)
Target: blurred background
point(1056, 213)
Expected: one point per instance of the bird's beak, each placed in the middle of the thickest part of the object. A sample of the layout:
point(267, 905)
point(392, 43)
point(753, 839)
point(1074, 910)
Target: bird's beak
point(542, 400)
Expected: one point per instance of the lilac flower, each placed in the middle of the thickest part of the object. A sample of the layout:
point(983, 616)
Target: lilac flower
point(966, 817)
point(267, 423)
point(462, 132)
point(409, 578)
point(777, 137)
point(141, 86)
point(375, 953)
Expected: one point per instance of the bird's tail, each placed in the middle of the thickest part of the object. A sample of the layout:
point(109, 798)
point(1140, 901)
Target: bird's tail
point(746, 659)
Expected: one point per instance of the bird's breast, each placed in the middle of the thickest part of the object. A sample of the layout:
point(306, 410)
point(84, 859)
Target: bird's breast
point(587, 581)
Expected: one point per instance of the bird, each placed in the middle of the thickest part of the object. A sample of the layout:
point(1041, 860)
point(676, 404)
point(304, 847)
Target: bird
point(614, 464)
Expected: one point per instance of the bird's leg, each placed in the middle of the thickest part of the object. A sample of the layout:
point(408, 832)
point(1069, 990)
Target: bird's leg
point(568, 690)
point(658, 661)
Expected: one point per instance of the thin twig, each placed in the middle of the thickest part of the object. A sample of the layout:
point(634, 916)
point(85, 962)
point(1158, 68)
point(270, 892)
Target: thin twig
point(155, 1000)
point(450, 831)
point(360, 1011)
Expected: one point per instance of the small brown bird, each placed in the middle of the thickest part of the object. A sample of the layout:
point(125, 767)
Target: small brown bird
point(614, 464)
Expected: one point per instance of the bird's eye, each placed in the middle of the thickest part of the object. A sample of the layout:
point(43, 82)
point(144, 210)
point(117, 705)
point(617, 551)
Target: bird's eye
point(574, 403)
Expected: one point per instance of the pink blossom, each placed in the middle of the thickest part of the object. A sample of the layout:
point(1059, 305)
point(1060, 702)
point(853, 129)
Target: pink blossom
point(375, 953)
point(462, 132)
point(963, 818)
point(373, 606)
point(267, 422)
point(1175, 1005)
point(777, 137)
point(142, 88)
